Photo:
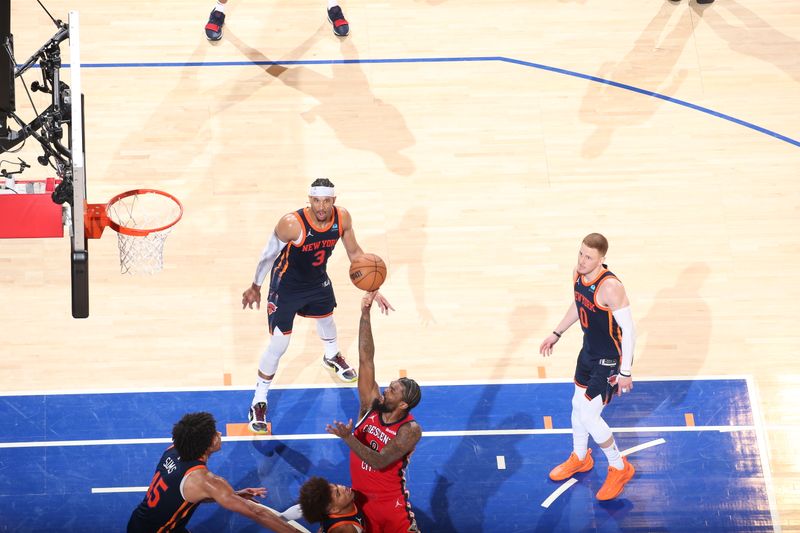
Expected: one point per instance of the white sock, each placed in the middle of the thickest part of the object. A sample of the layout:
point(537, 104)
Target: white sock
point(262, 388)
point(613, 456)
point(220, 7)
point(326, 329)
point(332, 3)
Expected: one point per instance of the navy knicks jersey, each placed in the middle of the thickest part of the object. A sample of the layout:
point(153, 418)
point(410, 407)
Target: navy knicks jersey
point(304, 265)
point(352, 517)
point(601, 333)
point(163, 508)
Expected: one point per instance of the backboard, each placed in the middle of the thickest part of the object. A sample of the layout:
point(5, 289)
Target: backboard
point(80, 248)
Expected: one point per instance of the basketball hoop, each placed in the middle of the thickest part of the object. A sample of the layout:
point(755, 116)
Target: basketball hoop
point(143, 219)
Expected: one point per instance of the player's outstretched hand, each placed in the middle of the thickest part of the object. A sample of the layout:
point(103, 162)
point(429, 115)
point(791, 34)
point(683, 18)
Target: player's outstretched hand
point(252, 296)
point(383, 303)
point(251, 493)
point(546, 348)
point(340, 429)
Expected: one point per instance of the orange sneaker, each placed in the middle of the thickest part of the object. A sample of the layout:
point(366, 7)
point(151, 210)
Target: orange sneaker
point(573, 465)
point(615, 481)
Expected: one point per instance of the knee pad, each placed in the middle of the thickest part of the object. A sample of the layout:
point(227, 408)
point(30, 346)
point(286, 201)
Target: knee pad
point(278, 344)
point(590, 412)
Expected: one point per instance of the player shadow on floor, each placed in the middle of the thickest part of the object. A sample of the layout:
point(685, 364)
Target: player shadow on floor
point(460, 496)
point(346, 103)
point(752, 36)
point(678, 327)
point(650, 65)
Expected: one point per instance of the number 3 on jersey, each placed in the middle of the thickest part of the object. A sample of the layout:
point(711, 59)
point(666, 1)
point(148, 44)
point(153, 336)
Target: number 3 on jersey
point(157, 487)
point(320, 258)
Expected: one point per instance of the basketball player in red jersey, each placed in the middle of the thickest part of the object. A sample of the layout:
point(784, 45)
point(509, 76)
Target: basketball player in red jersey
point(182, 481)
point(296, 257)
point(604, 363)
point(384, 438)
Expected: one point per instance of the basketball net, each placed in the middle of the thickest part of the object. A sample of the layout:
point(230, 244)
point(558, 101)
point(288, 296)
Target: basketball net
point(141, 251)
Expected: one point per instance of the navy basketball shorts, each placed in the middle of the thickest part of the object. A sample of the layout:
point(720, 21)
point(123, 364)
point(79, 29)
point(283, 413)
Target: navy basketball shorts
point(284, 303)
point(598, 375)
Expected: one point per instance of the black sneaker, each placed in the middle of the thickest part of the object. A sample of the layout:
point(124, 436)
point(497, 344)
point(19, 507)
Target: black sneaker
point(214, 26)
point(344, 371)
point(340, 25)
point(258, 418)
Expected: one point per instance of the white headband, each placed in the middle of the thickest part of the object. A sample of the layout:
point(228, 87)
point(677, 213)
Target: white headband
point(321, 191)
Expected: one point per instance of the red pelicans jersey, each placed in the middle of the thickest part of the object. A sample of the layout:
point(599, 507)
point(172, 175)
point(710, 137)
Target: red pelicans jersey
point(389, 482)
point(601, 333)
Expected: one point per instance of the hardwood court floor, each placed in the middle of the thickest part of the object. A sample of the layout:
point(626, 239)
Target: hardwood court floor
point(474, 176)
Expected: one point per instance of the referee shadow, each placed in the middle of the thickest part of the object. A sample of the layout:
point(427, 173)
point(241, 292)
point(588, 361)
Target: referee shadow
point(650, 64)
point(751, 35)
point(346, 103)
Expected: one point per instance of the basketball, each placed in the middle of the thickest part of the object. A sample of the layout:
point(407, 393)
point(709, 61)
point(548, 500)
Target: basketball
point(368, 272)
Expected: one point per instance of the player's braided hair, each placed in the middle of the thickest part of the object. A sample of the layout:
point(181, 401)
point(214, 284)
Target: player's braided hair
point(315, 498)
point(193, 435)
point(412, 394)
point(322, 182)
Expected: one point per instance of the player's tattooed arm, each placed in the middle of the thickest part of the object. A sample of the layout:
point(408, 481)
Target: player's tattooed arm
point(404, 443)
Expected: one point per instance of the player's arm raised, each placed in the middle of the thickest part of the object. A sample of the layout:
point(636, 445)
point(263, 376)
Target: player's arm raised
point(203, 485)
point(287, 230)
point(368, 389)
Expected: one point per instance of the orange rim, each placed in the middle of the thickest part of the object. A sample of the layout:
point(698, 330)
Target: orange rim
point(140, 232)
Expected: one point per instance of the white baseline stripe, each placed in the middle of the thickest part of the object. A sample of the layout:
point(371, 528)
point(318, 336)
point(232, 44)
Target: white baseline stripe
point(558, 492)
point(322, 436)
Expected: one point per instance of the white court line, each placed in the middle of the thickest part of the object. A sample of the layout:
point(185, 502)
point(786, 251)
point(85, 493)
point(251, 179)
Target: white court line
point(763, 448)
point(112, 490)
point(501, 462)
point(564, 487)
point(641, 447)
point(323, 436)
point(558, 492)
point(217, 388)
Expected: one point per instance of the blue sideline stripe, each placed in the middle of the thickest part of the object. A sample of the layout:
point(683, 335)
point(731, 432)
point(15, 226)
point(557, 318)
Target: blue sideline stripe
point(520, 62)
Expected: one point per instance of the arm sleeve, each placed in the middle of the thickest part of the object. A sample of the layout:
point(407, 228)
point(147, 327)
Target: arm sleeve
point(271, 251)
point(625, 320)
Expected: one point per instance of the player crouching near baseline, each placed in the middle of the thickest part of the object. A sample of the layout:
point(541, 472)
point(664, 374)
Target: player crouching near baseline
point(383, 440)
point(604, 364)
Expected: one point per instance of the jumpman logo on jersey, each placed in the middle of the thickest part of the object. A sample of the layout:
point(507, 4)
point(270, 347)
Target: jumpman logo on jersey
point(397, 503)
point(310, 234)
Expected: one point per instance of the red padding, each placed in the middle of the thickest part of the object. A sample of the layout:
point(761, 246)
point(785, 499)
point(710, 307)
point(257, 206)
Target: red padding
point(29, 215)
